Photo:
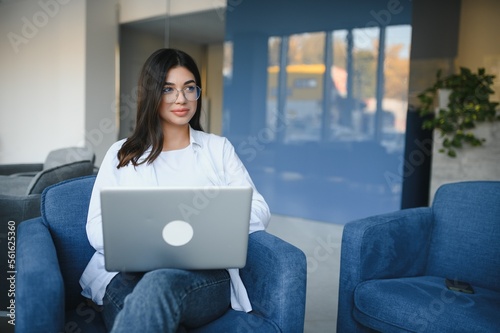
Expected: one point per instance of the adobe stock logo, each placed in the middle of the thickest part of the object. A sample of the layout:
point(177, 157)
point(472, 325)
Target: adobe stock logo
point(30, 28)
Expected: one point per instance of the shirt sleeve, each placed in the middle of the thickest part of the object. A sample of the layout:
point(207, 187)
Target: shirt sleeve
point(107, 176)
point(236, 174)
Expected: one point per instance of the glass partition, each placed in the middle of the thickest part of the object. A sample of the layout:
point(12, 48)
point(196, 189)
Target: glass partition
point(316, 108)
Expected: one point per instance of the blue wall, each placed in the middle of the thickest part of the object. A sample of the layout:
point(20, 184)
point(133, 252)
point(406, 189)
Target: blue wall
point(328, 145)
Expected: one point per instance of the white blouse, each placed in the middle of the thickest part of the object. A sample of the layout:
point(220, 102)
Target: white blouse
point(208, 160)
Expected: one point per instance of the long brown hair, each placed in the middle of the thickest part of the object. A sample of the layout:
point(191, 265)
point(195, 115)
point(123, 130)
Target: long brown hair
point(148, 131)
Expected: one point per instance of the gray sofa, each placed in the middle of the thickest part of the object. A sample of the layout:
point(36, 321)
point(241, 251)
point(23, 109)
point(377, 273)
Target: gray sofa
point(21, 185)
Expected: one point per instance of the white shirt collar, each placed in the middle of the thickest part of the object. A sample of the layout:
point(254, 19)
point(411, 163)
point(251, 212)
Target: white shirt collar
point(195, 139)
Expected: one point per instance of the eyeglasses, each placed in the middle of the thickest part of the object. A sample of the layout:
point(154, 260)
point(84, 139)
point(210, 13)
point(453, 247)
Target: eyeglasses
point(191, 93)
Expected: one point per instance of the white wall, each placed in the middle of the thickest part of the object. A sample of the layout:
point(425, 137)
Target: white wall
point(42, 66)
point(57, 59)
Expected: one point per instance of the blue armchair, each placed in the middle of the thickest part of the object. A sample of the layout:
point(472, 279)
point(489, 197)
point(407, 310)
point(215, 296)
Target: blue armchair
point(393, 266)
point(53, 250)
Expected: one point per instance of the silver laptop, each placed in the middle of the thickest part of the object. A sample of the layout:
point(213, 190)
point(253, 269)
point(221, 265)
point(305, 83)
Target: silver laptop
point(188, 228)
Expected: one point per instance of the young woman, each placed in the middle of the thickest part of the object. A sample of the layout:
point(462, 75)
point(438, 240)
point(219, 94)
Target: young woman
point(167, 148)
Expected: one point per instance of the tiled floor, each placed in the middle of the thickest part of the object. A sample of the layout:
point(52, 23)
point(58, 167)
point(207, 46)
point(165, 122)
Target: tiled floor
point(321, 244)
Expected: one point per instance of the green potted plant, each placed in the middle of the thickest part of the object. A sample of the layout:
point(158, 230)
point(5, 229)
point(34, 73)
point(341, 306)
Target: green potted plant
point(466, 102)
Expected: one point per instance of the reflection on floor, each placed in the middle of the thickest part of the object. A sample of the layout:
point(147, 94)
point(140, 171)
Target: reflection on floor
point(321, 244)
point(336, 181)
point(328, 198)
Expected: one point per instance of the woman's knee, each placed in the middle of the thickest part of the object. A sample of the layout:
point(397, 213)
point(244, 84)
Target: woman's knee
point(177, 279)
point(178, 286)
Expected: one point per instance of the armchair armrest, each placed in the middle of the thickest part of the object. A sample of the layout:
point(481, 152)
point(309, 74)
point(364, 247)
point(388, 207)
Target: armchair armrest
point(387, 246)
point(275, 277)
point(379, 247)
point(11, 169)
point(39, 283)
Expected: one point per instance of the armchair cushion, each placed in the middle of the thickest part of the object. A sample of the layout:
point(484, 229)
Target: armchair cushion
point(433, 308)
point(68, 155)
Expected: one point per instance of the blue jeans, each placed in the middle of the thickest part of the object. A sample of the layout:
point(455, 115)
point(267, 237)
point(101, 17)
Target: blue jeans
point(165, 300)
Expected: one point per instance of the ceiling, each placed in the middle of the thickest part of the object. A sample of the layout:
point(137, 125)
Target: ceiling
point(206, 27)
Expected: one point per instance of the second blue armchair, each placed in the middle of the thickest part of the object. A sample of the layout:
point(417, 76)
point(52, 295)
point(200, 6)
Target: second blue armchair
point(394, 266)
